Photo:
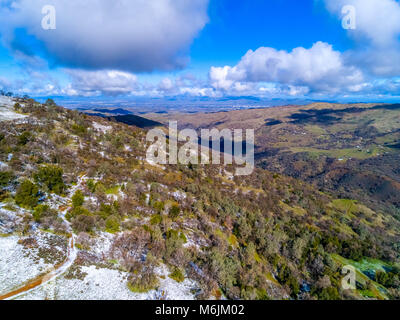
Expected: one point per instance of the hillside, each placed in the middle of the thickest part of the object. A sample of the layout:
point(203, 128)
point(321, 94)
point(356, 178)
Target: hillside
point(349, 150)
point(78, 196)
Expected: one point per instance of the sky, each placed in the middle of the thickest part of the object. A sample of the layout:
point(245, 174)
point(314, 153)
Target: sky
point(210, 49)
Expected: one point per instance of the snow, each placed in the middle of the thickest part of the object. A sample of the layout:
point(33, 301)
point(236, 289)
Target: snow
point(101, 128)
point(179, 196)
point(19, 264)
point(109, 284)
point(7, 110)
point(102, 244)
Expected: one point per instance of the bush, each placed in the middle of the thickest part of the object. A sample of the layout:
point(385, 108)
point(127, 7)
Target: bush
point(285, 276)
point(159, 206)
point(330, 293)
point(78, 199)
point(50, 102)
point(17, 107)
point(91, 185)
point(6, 178)
point(156, 219)
point(78, 130)
point(83, 223)
point(112, 224)
point(51, 177)
point(27, 194)
point(75, 212)
point(177, 275)
point(24, 138)
point(143, 278)
point(174, 211)
point(42, 211)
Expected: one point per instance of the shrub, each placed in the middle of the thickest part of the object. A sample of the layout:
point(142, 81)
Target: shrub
point(174, 211)
point(78, 199)
point(17, 107)
point(285, 277)
point(78, 129)
point(50, 102)
point(156, 219)
point(24, 138)
point(91, 185)
point(177, 275)
point(27, 194)
point(143, 278)
point(330, 293)
point(75, 212)
point(51, 177)
point(83, 223)
point(159, 206)
point(112, 224)
point(42, 211)
point(5, 178)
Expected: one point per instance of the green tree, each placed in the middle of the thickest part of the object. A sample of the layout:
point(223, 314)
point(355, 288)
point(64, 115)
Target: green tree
point(78, 199)
point(41, 211)
point(24, 138)
point(50, 102)
point(174, 211)
point(75, 212)
point(5, 178)
point(27, 194)
point(51, 177)
point(17, 107)
point(112, 224)
point(177, 275)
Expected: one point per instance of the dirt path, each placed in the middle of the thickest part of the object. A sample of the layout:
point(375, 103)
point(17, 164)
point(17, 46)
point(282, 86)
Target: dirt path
point(43, 279)
point(59, 269)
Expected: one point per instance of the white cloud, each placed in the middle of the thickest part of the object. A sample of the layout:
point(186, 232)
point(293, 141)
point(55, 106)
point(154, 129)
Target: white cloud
point(377, 34)
point(131, 35)
point(108, 82)
point(166, 84)
point(378, 21)
point(319, 68)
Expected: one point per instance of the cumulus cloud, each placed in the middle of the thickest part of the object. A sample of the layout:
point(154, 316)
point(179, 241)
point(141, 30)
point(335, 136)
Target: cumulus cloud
point(319, 68)
point(129, 35)
point(377, 34)
point(107, 82)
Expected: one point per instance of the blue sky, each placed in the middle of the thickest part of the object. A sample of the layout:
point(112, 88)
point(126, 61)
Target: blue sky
point(202, 48)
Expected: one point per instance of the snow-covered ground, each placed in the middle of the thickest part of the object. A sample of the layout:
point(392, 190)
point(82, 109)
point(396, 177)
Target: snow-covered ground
point(109, 284)
point(23, 259)
point(101, 128)
point(19, 264)
point(7, 110)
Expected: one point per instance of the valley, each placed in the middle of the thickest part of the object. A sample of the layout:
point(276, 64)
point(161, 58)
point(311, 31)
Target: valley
point(143, 231)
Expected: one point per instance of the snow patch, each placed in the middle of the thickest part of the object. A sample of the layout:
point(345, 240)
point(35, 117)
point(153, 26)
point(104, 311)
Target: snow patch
point(7, 110)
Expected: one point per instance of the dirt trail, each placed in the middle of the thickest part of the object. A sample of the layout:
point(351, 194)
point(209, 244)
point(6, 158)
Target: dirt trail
point(43, 279)
point(59, 269)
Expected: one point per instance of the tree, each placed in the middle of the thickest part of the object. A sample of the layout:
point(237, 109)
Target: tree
point(50, 102)
point(112, 224)
point(51, 177)
point(42, 211)
point(5, 178)
point(174, 211)
point(27, 194)
point(78, 199)
point(17, 107)
point(24, 138)
point(83, 223)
